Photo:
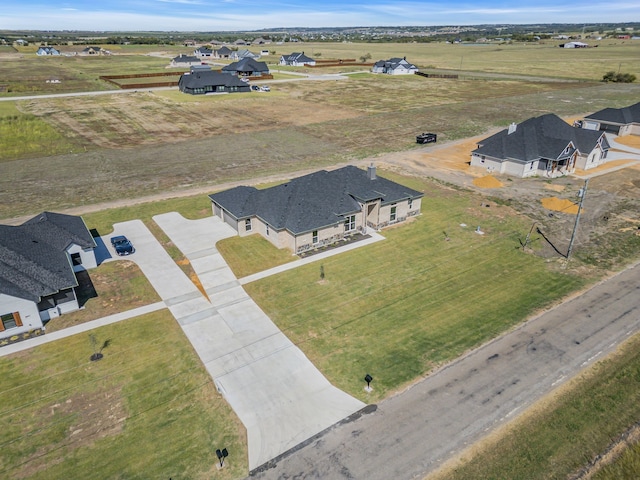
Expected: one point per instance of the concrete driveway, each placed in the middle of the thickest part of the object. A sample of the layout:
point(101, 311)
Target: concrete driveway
point(278, 394)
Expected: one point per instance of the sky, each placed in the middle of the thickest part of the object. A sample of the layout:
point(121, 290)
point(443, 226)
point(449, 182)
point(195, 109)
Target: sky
point(242, 15)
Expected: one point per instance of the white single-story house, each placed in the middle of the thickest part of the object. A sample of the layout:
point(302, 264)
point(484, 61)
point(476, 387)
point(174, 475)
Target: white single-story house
point(619, 121)
point(244, 53)
point(394, 66)
point(38, 263)
point(297, 59)
point(44, 51)
point(203, 52)
point(317, 209)
point(545, 145)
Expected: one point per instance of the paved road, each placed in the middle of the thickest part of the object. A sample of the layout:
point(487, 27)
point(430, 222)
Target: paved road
point(413, 433)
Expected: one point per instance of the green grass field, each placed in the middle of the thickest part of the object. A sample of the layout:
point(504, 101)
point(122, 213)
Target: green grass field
point(401, 307)
point(569, 430)
point(148, 409)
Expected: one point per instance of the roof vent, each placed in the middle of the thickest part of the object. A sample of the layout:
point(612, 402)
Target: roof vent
point(371, 172)
point(512, 128)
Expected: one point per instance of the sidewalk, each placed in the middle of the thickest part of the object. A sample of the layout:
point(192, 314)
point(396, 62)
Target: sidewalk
point(83, 327)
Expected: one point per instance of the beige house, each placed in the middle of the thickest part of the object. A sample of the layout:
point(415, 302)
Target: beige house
point(619, 121)
point(317, 209)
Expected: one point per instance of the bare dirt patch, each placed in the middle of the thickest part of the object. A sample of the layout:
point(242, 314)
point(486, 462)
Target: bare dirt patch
point(559, 205)
point(629, 140)
point(488, 181)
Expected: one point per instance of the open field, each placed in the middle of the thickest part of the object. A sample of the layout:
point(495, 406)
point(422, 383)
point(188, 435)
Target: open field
point(229, 138)
point(148, 409)
point(570, 428)
point(401, 307)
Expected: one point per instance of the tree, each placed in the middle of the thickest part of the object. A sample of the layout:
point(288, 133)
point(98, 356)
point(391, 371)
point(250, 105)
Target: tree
point(614, 77)
point(365, 57)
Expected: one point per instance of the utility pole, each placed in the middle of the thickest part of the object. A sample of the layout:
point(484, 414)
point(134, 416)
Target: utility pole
point(582, 193)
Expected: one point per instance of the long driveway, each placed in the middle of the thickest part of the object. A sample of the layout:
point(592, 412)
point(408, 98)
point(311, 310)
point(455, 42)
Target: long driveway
point(277, 393)
point(412, 434)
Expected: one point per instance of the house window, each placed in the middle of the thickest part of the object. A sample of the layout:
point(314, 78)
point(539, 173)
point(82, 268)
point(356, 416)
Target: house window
point(350, 223)
point(314, 236)
point(392, 217)
point(247, 225)
point(76, 259)
point(10, 320)
point(267, 230)
point(410, 203)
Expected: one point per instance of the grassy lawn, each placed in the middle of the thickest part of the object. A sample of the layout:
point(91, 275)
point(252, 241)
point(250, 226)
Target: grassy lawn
point(401, 307)
point(24, 135)
point(252, 254)
point(570, 429)
point(148, 409)
point(113, 287)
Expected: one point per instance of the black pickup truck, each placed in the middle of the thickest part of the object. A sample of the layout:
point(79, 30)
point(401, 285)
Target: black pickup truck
point(426, 138)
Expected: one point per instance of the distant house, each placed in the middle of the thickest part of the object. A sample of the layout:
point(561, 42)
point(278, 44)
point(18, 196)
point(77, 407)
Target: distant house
point(296, 59)
point(619, 121)
point(43, 51)
point(223, 52)
point(185, 61)
point(208, 82)
point(203, 52)
point(317, 209)
point(244, 53)
point(574, 45)
point(247, 67)
point(95, 51)
point(544, 145)
point(394, 66)
point(261, 41)
point(38, 263)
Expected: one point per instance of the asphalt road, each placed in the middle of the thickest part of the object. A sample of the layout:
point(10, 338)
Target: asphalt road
point(411, 434)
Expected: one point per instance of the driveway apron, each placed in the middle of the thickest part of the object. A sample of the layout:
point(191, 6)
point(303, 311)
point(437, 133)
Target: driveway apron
point(277, 393)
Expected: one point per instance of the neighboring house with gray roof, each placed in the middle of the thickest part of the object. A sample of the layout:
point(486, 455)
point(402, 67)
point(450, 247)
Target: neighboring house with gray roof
point(38, 261)
point(185, 61)
point(202, 82)
point(317, 209)
point(394, 66)
point(296, 59)
point(222, 52)
point(203, 52)
point(544, 145)
point(247, 67)
point(619, 121)
point(244, 53)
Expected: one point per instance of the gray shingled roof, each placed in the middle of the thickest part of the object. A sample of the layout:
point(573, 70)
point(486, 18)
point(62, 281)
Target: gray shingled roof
point(546, 137)
point(313, 201)
point(246, 65)
point(202, 79)
point(33, 262)
point(621, 116)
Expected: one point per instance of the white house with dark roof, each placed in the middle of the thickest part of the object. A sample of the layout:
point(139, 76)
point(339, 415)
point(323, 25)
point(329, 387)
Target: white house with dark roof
point(185, 61)
point(47, 51)
point(38, 262)
point(317, 209)
point(619, 121)
point(222, 52)
point(203, 52)
point(296, 59)
point(544, 145)
point(394, 66)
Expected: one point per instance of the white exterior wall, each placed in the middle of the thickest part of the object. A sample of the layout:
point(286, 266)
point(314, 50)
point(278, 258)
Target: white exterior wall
point(28, 311)
point(87, 257)
point(490, 163)
point(631, 129)
point(590, 125)
point(592, 160)
point(516, 169)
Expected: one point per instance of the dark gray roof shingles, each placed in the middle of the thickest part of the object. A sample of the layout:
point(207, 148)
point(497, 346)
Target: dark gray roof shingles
point(312, 201)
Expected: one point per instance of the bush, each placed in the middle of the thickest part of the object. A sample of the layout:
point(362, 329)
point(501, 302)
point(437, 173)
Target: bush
point(618, 77)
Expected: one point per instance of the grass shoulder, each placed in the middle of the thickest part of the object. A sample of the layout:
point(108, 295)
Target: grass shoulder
point(148, 409)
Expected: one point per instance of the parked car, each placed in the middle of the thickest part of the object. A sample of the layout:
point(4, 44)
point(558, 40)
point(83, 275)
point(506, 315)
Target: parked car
point(426, 138)
point(255, 88)
point(122, 245)
point(265, 88)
